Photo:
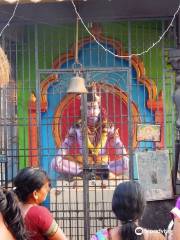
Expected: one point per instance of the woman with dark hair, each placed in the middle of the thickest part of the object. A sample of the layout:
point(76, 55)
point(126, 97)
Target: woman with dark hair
point(11, 221)
point(32, 186)
point(128, 204)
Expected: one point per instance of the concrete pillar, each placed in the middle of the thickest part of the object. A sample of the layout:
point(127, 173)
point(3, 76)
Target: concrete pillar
point(174, 60)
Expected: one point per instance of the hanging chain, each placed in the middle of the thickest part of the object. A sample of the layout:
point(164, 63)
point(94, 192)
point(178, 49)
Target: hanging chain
point(77, 66)
point(76, 46)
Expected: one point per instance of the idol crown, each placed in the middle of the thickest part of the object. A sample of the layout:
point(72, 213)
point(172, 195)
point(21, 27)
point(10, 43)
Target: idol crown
point(92, 95)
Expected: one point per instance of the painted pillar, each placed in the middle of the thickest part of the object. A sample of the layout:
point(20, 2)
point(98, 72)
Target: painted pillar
point(33, 160)
point(174, 59)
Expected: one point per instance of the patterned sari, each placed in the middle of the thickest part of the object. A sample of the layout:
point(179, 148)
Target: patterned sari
point(40, 223)
point(103, 234)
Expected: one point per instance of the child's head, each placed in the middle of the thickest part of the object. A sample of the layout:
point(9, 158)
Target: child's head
point(128, 201)
point(32, 182)
point(128, 205)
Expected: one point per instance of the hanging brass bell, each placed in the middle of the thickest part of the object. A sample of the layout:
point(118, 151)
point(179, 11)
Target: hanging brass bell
point(77, 85)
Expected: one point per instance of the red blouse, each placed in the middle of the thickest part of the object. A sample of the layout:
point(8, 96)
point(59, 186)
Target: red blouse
point(40, 223)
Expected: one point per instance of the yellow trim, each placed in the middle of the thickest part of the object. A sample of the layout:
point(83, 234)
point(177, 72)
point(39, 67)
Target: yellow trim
point(96, 149)
point(52, 229)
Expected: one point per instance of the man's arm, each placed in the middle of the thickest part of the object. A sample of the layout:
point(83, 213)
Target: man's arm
point(58, 163)
point(68, 141)
point(121, 163)
point(117, 143)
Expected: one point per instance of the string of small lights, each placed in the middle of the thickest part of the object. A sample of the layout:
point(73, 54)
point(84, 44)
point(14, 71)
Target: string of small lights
point(127, 56)
point(8, 22)
point(95, 39)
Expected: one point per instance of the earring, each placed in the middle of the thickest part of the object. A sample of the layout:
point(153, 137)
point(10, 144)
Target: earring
point(36, 197)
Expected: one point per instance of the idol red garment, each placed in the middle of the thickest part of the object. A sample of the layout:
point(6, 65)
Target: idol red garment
point(40, 223)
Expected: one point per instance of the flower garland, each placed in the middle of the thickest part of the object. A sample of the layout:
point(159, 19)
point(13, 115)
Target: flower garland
point(95, 150)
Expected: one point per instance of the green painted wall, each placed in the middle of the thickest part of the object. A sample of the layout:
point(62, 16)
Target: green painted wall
point(54, 41)
point(26, 83)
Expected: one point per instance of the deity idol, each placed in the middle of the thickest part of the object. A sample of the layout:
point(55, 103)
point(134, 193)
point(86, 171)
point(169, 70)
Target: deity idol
point(101, 136)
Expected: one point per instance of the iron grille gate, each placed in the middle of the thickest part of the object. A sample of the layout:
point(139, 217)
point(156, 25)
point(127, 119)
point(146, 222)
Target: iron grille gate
point(83, 209)
point(31, 107)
